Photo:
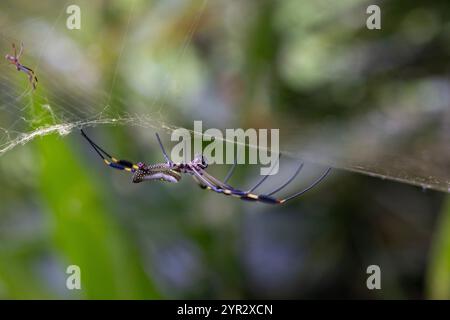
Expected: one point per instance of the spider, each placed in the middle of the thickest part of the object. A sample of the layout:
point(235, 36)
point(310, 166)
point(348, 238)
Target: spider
point(171, 172)
point(14, 59)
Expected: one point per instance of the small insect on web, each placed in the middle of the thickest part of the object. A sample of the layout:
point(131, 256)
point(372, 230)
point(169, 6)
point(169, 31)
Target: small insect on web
point(14, 59)
point(171, 172)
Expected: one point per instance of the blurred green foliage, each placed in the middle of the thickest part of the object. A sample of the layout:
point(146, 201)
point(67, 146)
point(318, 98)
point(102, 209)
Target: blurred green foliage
point(439, 270)
point(84, 230)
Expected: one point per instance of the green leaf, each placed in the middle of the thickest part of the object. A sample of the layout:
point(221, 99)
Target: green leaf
point(85, 232)
point(438, 277)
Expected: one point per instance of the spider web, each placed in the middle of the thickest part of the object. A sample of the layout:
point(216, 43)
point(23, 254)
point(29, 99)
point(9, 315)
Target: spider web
point(71, 92)
point(403, 137)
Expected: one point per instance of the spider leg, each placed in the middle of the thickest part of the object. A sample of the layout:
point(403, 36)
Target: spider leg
point(15, 50)
point(31, 75)
point(212, 180)
point(166, 157)
point(31, 79)
point(34, 79)
point(20, 51)
point(263, 178)
point(35, 82)
point(93, 144)
point(216, 181)
point(209, 185)
point(287, 182)
point(112, 162)
point(200, 184)
point(204, 179)
point(230, 172)
point(312, 185)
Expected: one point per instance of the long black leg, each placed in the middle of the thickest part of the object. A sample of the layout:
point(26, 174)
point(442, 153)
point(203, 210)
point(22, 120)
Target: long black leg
point(166, 157)
point(287, 182)
point(95, 146)
point(230, 172)
point(112, 162)
point(31, 75)
point(200, 184)
point(264, 178)
point(258, 184)
point(216, 181)
point(205, 181)
point(295, 195)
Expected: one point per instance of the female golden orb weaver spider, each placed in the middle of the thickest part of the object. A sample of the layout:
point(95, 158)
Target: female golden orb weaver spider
point(171, 172)
point(14, 59)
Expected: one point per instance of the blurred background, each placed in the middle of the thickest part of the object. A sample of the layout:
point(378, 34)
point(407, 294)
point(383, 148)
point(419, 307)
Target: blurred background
point(374, 104)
